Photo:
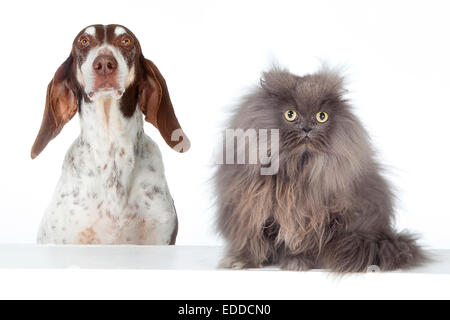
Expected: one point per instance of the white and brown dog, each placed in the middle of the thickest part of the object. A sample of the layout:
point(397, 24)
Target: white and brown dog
point(112, 189)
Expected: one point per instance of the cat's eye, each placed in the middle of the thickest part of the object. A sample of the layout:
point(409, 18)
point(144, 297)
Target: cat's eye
point(290, 115)
point(322, 117)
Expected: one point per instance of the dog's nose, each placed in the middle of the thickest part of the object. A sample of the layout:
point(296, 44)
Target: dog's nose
point(307, 129)
point(105, 65)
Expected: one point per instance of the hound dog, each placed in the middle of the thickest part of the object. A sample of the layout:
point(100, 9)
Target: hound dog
point(112, 188)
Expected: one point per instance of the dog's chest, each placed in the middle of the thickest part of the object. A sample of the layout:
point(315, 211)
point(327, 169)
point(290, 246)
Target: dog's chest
point(122, 201)
point(107, 155)
point(113, 189)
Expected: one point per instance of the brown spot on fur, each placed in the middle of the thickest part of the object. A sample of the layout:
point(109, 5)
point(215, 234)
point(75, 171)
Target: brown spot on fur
point(156, 190)
point(88, 236)
point(149, 195)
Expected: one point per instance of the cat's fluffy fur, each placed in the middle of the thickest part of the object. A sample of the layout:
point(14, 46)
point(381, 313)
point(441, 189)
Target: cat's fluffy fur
point(328, 206)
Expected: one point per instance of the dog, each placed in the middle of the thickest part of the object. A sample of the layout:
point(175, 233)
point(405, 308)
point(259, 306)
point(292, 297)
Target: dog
point(112, 188)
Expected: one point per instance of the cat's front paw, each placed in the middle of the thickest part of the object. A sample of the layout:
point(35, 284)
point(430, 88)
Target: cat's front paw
point(236, 263)
point(296, 264)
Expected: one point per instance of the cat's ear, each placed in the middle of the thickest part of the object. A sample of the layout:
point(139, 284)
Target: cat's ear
point(263, 83)
point(277, 80)
point(333, 83)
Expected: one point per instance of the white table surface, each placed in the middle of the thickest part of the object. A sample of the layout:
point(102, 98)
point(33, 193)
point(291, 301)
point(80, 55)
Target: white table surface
point(16, 256)
point(109, 257)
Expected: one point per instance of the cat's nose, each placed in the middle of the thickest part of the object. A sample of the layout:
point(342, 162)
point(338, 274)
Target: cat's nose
point(307, 129)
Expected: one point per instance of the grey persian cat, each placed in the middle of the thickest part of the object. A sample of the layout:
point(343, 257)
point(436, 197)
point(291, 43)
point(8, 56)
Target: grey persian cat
point(328, 206)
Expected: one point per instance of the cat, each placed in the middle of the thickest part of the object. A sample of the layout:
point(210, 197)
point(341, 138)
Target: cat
point(328, 206)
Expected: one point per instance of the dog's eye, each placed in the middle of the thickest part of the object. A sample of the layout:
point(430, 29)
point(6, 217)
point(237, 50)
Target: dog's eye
point(290, 115)
point(126, 42)
point(84, 41)
point(322, 117)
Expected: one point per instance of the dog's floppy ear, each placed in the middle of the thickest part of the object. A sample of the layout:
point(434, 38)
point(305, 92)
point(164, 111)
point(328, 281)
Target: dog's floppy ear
point(154, 102)
point(60, 106)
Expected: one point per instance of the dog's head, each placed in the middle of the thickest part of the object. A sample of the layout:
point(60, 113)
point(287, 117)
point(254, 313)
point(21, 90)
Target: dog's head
point(107, 60)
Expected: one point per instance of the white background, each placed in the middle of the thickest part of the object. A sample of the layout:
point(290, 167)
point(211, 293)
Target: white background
point(395, 53)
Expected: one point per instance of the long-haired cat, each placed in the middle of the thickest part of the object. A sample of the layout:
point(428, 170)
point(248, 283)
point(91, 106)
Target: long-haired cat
point(328, 206)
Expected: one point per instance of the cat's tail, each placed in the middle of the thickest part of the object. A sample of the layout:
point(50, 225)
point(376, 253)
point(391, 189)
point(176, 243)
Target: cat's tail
point(356, 252)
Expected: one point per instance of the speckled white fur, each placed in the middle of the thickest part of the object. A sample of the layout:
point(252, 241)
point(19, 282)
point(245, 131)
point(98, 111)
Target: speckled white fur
point(112, 189)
